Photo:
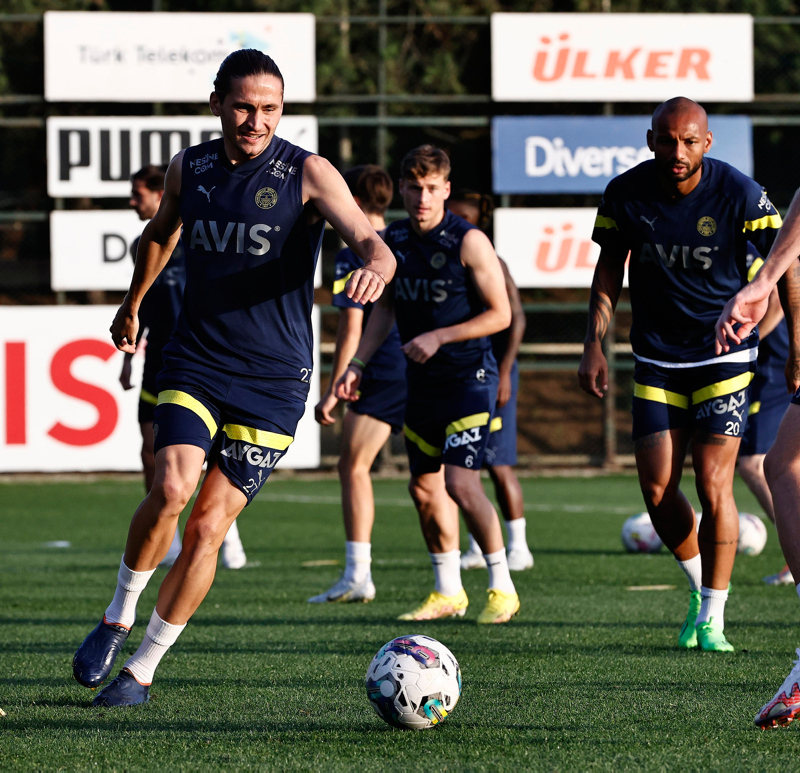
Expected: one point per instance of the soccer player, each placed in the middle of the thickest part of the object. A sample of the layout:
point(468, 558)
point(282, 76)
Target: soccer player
point(237, 368)
point(769, 400)
point(381, 402)
point(501, 451)
point(685, 220)
point(782, 464)
point(157, 316)
point(448, 297)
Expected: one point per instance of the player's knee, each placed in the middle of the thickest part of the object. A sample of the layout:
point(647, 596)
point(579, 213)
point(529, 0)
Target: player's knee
point(173, 492)
point(204, 535)
point(657, 492)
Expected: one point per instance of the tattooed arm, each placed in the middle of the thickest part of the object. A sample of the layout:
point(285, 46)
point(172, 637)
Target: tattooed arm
point(789, 289)
point(606, 286)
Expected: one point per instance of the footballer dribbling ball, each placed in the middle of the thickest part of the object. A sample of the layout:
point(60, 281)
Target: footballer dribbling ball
point(414, 682)
point(752, 535)
point(639, 536)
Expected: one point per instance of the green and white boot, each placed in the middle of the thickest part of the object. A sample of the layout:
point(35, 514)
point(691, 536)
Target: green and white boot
point(687, 638)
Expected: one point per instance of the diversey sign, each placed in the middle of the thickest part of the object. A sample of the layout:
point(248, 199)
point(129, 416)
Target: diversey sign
point(563, 154)
point(566, 57)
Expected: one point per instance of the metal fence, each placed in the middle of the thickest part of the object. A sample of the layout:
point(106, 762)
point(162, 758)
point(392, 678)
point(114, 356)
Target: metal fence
point(558, 424)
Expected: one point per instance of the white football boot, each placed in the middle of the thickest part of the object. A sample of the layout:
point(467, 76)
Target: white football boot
point(233, 556)
point(344, 590)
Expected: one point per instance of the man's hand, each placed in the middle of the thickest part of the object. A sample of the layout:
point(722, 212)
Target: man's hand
point(746, 309)
point(593, 371)
point(504, 390)
point(792, 373)
point(322, 410)
point(365, 286)
point(347, 385)
point(423, 347)
point(124, 329)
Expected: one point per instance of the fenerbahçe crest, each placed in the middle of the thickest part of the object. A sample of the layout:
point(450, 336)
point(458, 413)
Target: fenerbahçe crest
point(266, 198)
point(706, 226)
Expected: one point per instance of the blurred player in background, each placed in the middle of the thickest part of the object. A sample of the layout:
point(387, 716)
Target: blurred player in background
point(685, 220)
point(381, 402)
point(501, 451)
point(238, 366)
point(157, 317)
point(782, 465)
point(448, 297)
point(769, 400)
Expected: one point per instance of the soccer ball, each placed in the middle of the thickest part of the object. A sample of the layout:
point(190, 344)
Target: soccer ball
point(752, 535)
point(639, 536)
point(413, 682)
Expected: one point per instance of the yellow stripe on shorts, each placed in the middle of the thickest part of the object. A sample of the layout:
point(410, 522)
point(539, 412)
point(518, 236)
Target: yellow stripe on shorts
point(423, 446)
point(148, 397)
point(658, 395)
point(753, 270)
point(768, 221)
point(468, 422)
point(727, 387)
point(258, 437)
point(754, 408)
point(339, 284)
point(175, 397)
point(496, 425)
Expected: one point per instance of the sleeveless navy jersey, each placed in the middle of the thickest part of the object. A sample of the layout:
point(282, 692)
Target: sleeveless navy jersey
point(162, 304)
point(250, 260)
point(688, 257)
point(432, 289)
point(388, 363)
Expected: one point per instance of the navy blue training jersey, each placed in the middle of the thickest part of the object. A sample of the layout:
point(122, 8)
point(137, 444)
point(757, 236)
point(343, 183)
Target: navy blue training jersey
point(688, 257)
point(432, 289)
point(162, 303)
point(250, 260)
point(388, 363)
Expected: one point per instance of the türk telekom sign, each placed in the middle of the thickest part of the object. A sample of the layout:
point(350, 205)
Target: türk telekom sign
point(566, 57)
point(61, 405)
point(566, 154)
point(547, 247)
point(168, 57)
point(95, 157)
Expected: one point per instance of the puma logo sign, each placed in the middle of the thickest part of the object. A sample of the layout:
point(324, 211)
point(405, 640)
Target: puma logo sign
point(201, 189)
point(649, 222)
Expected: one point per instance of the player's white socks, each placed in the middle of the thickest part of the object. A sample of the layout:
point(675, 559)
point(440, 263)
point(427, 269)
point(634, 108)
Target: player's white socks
point(693, 569)
point(130, 584)
point(160, 636)
point(516, 535)
point(474, 547)
point(712, 604)
point(499, 576)
point(358, 560)
point(447, 572)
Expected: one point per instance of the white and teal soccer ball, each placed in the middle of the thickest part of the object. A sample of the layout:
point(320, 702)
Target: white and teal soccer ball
point(639, 535)
point(752, 535)
point(414, 682)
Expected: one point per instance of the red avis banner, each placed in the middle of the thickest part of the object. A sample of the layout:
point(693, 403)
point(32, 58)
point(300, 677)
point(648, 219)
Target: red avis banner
point(62, 407)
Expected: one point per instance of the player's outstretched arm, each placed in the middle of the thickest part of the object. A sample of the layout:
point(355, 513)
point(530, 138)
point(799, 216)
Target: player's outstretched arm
point(749, 305)
point(481, 261)
point(156, 245)
point(325, 188)
point(606, 287)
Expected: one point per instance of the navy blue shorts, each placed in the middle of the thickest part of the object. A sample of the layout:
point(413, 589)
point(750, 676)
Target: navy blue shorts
point(448, 423)
point(502, 447)
point(148, 396)
point(768, 402)
point(711, 398)
point(384, 400)
point(243, 425)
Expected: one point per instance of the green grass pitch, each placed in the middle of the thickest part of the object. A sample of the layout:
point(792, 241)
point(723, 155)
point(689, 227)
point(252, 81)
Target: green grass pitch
point(588, 676)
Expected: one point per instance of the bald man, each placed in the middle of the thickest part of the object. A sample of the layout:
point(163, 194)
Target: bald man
point(685, 219)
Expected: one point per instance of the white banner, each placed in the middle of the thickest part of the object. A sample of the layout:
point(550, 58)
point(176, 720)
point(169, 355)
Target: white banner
point(91, 249)
point(89, 156)
point(168, 57)
point(621, 57)
point(547, 247)
point(62, 407)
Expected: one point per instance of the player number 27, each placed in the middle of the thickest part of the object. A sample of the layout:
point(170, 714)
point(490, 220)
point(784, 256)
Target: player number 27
point(305, 375)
